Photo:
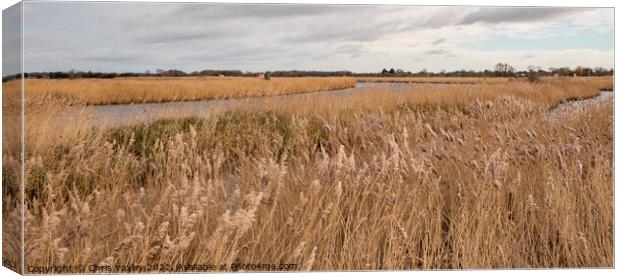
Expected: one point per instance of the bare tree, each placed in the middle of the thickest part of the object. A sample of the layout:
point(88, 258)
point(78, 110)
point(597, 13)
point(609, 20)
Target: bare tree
point(504, 68)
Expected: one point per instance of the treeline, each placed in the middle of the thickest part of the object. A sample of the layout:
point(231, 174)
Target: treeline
point(500, 70)
point(73, 74)
point(298, 73)
point(288, 73)
point(70, 75)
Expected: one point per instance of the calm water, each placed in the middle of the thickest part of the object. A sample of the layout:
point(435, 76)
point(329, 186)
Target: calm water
point(124, 114)
point(578, 106)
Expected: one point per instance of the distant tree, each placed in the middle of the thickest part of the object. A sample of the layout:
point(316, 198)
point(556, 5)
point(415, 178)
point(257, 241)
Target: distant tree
point(579, 71)
point(600, 71)
point(267, 75)
point(392, 71)
point(504, 69)
point(532, 68)
point(532, 73)
point(384, 71)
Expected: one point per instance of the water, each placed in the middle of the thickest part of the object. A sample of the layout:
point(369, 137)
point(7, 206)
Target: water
point(123, 114)
point(580, 105)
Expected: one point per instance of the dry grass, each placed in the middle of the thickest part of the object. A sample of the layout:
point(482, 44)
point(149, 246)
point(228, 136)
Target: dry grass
point(476, 80)
point(547, 93)
point(479, 178)
point(141, 90)
point(11, 222)
point(456, 80)
point(46, 120)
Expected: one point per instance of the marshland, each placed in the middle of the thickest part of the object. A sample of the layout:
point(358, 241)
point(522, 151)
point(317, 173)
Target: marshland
point(479, 173)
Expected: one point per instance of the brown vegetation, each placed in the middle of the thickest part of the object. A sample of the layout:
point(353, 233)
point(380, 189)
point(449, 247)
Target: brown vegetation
point(11, 150)
point(142, 90)
point(470, 177)
point(458, 80)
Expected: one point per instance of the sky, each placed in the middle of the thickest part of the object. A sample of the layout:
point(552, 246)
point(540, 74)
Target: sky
point(135, 37)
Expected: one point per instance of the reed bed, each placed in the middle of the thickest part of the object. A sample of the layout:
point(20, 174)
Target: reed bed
point(547, 94)
point(437, 80)
point(11, 150)
point(46, 119)
point(472, 80)
point(143, 90)
point(482, 179)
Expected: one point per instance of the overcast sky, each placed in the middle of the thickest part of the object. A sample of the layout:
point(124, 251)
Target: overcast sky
point(135, 37)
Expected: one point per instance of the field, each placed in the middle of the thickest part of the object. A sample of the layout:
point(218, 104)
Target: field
point(461, 80)
point(476, 176)
point(148, 90)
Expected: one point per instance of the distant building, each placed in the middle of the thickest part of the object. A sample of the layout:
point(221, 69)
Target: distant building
point(261, 76)
point(556, 75)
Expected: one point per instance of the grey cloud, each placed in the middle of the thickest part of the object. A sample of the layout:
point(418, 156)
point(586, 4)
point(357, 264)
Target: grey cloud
point(342, 31)
point(353, 50)
point(527, 56)
point(199, 13)
point(439, 41)
point(312, 23)
point(11, 40)
point(503, 15)
point(442, 18)
point(436, 52)
point(230, 11)
point(467, 16)
point(126, 36)
point(106, 55)
point(178, 36)
point(239, 53)
point(439, 52)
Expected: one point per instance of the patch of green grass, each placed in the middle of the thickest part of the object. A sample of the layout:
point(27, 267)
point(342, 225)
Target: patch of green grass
point(245, 133)
point(146, 135)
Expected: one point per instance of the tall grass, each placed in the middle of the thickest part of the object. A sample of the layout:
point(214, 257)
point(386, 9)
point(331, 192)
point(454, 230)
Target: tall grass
point(471, 80)
point(11, 180)
point(46, 118)
point(548, 94)
point(141, 90)
point(452, 80)
point(482, 179)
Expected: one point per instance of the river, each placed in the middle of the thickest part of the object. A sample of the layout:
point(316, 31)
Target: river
point(125, 114)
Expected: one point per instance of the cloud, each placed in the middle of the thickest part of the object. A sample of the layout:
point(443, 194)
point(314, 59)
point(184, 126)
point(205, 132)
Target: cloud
point(11, 40)
point(440, 18)
point(353, 50)
point(439, 41)
point(234, 11)
point(511, 14)
point(132, 36)
point(109, 55)
point(347, 29)
point(439, 52)
point(182, 35)
point(436, 52)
